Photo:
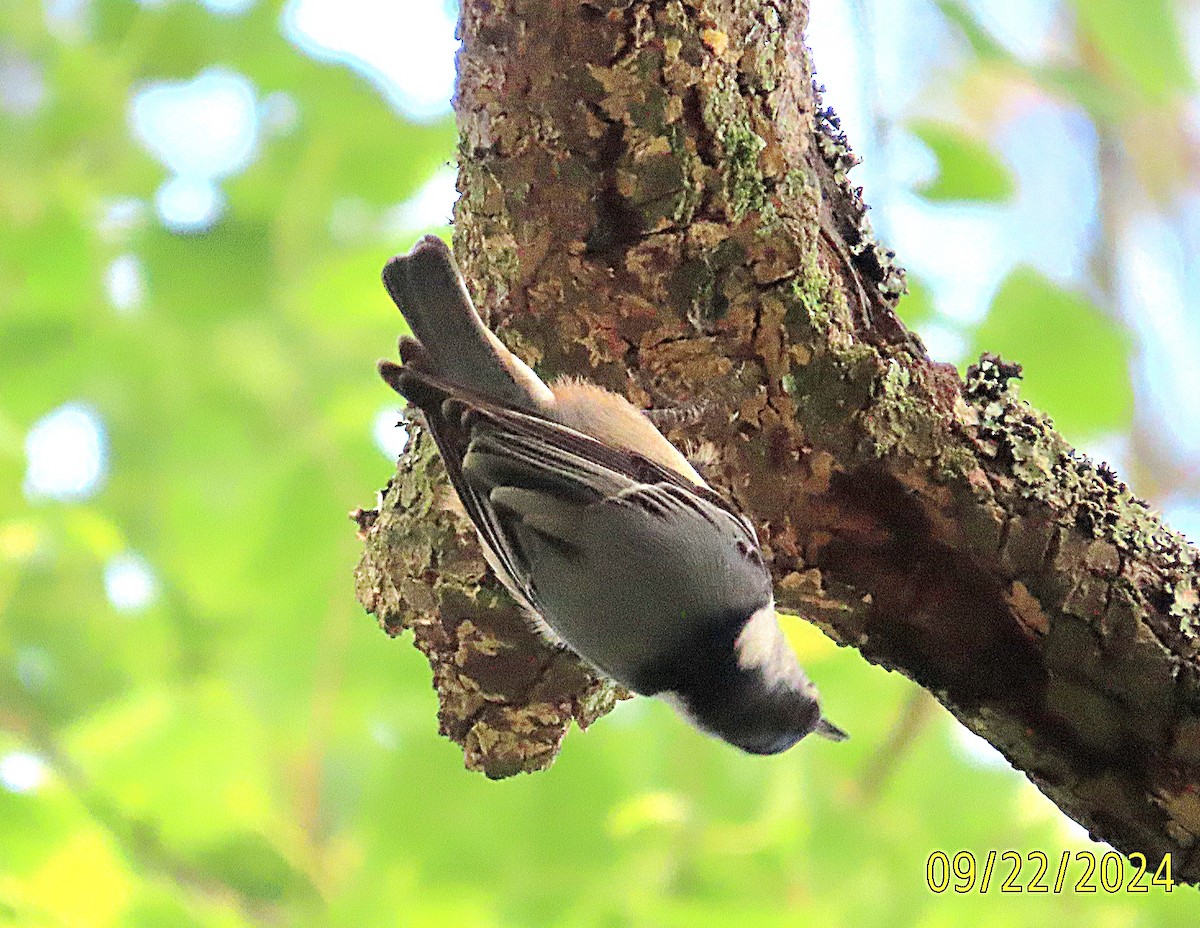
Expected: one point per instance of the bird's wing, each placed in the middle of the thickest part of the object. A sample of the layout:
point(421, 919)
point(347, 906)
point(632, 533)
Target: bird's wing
point(649, 579)
point(526, 480)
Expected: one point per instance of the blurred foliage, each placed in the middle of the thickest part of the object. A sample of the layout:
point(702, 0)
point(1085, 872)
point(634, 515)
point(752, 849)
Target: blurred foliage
point(1084, 381)
point(967, 168)
point(1139, 42)
point(1127, 69)
point(246, 748)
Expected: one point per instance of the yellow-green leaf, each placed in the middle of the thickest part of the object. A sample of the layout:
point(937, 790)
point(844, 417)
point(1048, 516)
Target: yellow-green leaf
point(967, 168)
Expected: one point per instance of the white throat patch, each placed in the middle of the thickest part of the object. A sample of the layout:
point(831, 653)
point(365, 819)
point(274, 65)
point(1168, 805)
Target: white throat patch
point(762, 646)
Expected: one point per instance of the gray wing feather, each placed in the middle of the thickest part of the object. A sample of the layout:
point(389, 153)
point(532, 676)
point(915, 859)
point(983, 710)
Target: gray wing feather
point(551, 517)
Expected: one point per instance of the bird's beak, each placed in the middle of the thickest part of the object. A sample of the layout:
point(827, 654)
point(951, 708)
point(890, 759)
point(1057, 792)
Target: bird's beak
point(826, 729)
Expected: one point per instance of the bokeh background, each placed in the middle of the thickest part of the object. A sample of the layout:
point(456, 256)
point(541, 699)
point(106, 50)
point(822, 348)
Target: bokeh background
point(198, 724)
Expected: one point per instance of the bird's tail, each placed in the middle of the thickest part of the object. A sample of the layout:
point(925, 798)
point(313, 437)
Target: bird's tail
point(455, 345)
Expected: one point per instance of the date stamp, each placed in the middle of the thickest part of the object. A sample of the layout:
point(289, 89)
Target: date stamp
point(1078, 872)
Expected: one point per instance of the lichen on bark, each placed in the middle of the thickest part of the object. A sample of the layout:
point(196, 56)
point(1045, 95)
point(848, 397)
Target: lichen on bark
point(654, 196)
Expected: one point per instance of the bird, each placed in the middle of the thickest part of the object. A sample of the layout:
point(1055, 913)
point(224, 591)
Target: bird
point(601, 530)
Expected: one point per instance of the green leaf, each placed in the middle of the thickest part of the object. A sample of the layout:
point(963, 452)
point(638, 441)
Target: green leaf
point(250, 864)
point(189, 761)
point(1075, 358)
point(1141, 40)
point(916, 307)
point(985, 47)
point(33, 825)
point(967, 168)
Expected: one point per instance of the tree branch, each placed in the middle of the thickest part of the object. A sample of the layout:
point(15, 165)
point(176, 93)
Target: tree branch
point(653, 197)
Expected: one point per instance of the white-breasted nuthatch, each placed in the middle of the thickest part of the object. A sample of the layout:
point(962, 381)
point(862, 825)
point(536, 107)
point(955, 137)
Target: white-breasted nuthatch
point(597, 525)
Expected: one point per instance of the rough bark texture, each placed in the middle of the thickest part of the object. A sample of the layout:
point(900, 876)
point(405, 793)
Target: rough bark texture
point(652, 196)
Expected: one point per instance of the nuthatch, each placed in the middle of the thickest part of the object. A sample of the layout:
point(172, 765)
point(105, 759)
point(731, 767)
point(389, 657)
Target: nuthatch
point(597, 525)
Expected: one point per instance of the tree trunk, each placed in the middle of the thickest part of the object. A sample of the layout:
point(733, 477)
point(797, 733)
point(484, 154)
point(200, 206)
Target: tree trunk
point(654, 197)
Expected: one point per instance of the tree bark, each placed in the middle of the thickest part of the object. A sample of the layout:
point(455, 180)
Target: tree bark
point(654, 197)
